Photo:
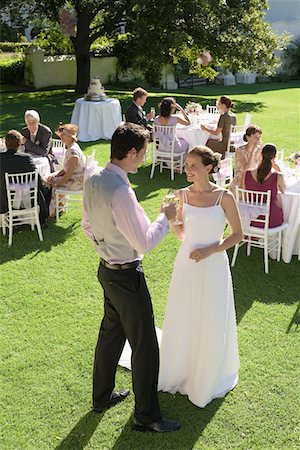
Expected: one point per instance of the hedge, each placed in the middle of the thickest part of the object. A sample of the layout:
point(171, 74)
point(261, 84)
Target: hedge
point(12, 70)
point(14, 46)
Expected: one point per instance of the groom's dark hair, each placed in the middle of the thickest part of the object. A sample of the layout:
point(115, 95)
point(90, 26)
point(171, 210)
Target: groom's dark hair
point(126, 137)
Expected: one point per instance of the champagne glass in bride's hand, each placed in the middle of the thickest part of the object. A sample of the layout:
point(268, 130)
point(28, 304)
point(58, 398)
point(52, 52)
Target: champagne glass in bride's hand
point(173, 197)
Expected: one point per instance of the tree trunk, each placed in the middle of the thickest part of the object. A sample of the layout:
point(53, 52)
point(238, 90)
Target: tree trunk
point(83, 64)
point(82, 51)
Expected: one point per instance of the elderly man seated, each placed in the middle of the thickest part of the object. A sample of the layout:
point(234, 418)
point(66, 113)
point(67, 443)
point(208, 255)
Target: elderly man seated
point(13, 161)
point(37, 137)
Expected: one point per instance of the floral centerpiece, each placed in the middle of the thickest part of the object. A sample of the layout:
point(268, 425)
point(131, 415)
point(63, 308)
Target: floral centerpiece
point(193, 108)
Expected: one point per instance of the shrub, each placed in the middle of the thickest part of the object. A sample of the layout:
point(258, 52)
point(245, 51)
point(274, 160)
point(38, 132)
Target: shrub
point(54, 42)
point(12, 70)
point(292, 59)
point(14, 46)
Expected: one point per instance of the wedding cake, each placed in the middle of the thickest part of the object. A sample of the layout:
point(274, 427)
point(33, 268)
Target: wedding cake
point(95, 91)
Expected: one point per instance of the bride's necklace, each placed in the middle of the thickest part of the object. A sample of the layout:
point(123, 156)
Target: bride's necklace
point(196, 191)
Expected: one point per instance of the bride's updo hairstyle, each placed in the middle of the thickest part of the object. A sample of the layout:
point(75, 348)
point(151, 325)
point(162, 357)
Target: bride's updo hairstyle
point(252, 129)
point(207, 156)
point(268, 153)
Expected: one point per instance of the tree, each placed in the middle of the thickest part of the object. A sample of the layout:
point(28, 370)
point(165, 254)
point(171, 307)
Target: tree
point(232, 31)
point(93, 19)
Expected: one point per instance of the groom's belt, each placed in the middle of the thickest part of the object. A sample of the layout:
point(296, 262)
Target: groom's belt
point(130, 265)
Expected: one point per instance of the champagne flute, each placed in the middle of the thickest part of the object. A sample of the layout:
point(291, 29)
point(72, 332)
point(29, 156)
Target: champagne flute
point(152, 110)
point(172, 197)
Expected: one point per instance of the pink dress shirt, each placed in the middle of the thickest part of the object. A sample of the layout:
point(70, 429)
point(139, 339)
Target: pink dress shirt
point(131, 220)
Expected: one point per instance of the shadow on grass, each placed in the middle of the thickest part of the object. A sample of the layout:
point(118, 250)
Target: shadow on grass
point(146, 188)
point(57, 104)
point(275, 287)
point(295, 321)
point(193, 422)
point(81, 434)
point(27, 241)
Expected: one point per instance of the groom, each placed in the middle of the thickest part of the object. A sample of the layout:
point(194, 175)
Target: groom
point(121, 232)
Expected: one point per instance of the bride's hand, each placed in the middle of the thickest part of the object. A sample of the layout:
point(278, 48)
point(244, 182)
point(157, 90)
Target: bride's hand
point(201, 253)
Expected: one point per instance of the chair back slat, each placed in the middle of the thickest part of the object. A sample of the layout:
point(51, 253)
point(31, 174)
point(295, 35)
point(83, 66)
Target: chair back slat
point(212, 109)
point(255, 205)
point(225, 174)
point(18, 185)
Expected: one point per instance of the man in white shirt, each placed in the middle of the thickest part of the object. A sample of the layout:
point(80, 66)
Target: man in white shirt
point(121, 232)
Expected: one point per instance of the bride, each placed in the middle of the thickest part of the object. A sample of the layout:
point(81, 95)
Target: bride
point(199, 351)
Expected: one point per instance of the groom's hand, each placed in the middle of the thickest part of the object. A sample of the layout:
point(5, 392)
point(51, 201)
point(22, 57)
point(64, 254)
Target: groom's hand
point(169, 210)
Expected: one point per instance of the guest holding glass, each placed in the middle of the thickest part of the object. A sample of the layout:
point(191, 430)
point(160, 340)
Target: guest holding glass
point(72, 175)
point(247, 156)
point(166, 117)
point(226, 119)
point(37, 137)
point(265, 178)
point(135, 113)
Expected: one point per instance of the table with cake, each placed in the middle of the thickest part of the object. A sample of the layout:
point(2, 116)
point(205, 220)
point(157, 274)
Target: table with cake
point(96, 115)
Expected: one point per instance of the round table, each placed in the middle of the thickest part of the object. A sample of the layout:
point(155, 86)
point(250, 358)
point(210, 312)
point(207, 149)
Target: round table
point(290, 203)
point(96, 120)
point(193, 135)
point(42, 164)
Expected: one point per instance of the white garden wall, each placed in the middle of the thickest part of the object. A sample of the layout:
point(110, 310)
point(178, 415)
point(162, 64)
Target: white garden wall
point(47, 71)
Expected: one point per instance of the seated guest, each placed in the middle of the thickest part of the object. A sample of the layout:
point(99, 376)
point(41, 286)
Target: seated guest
point(247, 156)
point(71, 177)
point(226, 119)
point(13, 161)
point(166, 117)
point(37, 137)
point(135, 113)
point(265, 178)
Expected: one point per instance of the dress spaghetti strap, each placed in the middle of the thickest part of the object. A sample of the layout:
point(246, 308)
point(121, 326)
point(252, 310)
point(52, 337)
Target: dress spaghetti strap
point(219, 198)
point(184, 196)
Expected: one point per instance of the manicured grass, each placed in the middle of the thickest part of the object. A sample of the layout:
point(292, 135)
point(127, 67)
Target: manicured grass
point(274, 107)
point(51, 307)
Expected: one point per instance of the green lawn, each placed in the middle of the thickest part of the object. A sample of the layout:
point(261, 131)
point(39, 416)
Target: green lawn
point(51, 307)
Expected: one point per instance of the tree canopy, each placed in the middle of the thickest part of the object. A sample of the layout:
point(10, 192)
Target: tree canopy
point(232, 31)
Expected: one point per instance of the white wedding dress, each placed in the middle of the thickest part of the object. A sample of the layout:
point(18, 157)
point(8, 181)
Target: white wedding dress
point(198, 348)
point(199, 351)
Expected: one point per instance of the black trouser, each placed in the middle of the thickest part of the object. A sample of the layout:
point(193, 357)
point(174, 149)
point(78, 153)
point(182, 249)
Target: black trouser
point(128, 314)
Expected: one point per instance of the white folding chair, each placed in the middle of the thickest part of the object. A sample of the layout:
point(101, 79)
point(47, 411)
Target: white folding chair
point(163, 154)
point(23, 208)
point(253, 204)
point(212, 110)
point(225, 174)
point(247, 122)
point(235, 139)
point(58, 150)
point(65, 198)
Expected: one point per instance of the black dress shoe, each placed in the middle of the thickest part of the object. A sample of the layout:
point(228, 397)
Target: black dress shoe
point(115, 398)
point(164, 426)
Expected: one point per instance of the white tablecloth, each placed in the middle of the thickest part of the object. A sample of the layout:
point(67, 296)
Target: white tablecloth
point(290, 203)
point(96, 120)
point(193, 135)
point(42, 164)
